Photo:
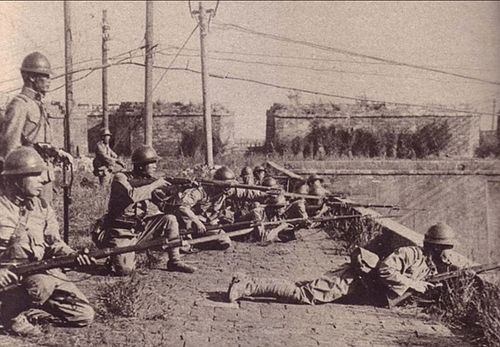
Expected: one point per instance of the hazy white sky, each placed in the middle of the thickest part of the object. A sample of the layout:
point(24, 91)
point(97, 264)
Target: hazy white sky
point(458, 37)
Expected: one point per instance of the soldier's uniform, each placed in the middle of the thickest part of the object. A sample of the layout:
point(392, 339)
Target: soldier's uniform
point(132, 218)
point(26, 121)
point(352, 278)
point(29, 232)
point(105, 159)
point(214, 209)
point(407, 266)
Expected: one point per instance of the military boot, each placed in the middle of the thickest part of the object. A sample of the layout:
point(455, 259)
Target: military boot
point(174, 261)
point(20, 325)
point(242, 286)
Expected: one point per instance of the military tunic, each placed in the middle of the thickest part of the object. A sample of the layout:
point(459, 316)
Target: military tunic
point(29, 232)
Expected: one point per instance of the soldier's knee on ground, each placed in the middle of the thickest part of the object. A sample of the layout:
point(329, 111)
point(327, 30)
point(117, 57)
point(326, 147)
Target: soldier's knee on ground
point(83, 315)
point(39, 288)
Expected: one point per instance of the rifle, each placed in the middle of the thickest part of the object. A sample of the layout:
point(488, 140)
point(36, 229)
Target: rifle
point(478, 269)
point(69, 260)
point(254, 223)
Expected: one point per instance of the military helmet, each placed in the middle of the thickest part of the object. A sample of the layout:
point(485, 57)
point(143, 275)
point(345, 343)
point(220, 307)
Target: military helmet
point(315, 177)
point(224, 174)
point(36, 62)
point(317, 191)
point(269, 182)
point(104, 132)
point(23, 161)
point(144, 155)
point(440, 234)
point(303, 189)
point(259, 168)
point(246, 171)
point(277, 201)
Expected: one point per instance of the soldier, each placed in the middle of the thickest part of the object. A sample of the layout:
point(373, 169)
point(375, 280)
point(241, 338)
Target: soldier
point(201, 206)
point(29, 232)
point(129, 219)
point(407, 267)
point(105, 158)
point(26, 120)
point(247, 175)
point(404, 269)
point(350, 279)
point(277, 209)
point(259, 174)
point(315, 183)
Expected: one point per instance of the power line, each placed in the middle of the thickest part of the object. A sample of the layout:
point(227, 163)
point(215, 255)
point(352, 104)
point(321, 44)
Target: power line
point(179, 52)
point(317, 69)
point(439, 108)
point(320, 59)
point(359, 55)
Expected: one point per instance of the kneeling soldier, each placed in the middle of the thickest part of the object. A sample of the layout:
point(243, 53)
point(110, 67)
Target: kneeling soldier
point(29, 232)
point(128, 221)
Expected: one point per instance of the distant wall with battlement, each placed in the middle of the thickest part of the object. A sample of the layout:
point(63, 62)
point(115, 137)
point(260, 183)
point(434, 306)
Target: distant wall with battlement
point(286, 122)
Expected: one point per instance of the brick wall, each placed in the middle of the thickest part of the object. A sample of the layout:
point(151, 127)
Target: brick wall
point(285, 122)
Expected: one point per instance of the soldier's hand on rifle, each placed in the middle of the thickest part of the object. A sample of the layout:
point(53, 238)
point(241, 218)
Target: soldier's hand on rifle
point(65, 157)
point(84, 260)
point(161, 182)
point(422, 286)
point(200, 227)
point(7, 277)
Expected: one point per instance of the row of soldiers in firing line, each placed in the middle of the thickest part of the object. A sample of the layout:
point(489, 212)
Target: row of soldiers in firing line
point(29, 229)
point(29, 232)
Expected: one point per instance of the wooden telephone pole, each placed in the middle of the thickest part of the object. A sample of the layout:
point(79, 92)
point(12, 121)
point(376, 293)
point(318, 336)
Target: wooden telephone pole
point(105, 49)
point(207, 107)
point(68, 53)
point(148, 99)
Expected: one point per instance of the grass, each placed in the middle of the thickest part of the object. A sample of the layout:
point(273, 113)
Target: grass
point(472, 306)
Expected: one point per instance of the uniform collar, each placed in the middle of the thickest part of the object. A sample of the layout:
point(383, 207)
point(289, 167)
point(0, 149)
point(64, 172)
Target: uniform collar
point(31, 93)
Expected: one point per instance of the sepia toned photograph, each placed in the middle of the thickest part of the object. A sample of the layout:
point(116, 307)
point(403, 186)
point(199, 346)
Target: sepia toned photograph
point(249, 173)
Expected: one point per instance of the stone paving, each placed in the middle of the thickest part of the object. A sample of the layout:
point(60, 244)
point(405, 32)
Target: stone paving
point(190, 310)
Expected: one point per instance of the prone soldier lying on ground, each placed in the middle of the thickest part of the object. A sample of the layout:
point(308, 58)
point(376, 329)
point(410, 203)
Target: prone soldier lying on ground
point(129, 220)
point(404, 269)
point(29, 232)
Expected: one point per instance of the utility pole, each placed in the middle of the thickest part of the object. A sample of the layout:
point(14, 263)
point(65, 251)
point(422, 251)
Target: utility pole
point(148, 100)
point(68, 40)
point(207, 107)
point(105, 49)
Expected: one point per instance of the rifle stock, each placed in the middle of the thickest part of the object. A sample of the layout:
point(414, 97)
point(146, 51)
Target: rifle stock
point(478, 269)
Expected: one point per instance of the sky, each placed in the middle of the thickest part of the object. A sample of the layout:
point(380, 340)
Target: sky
point(447, 53)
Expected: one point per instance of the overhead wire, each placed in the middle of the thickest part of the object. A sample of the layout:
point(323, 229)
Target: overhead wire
point(318, 69)
point(345, 52)
point(317, 59)
point(243, 79)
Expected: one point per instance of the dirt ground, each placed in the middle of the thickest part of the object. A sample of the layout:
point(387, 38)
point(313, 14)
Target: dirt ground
point(188, 310)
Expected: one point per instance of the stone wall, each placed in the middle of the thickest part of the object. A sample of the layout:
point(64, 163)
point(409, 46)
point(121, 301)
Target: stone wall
point(170, 120)
point(285, 122)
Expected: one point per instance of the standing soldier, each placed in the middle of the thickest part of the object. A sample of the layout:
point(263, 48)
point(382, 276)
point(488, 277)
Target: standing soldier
point(259, 174)
point(129, 220)
point(105, 158)
point(29, 232)
point(26, 120)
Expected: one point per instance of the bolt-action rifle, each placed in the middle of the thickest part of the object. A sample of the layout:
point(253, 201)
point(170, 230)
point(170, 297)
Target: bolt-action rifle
point(476, 270)
point(254, 223)
point(23, 270)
